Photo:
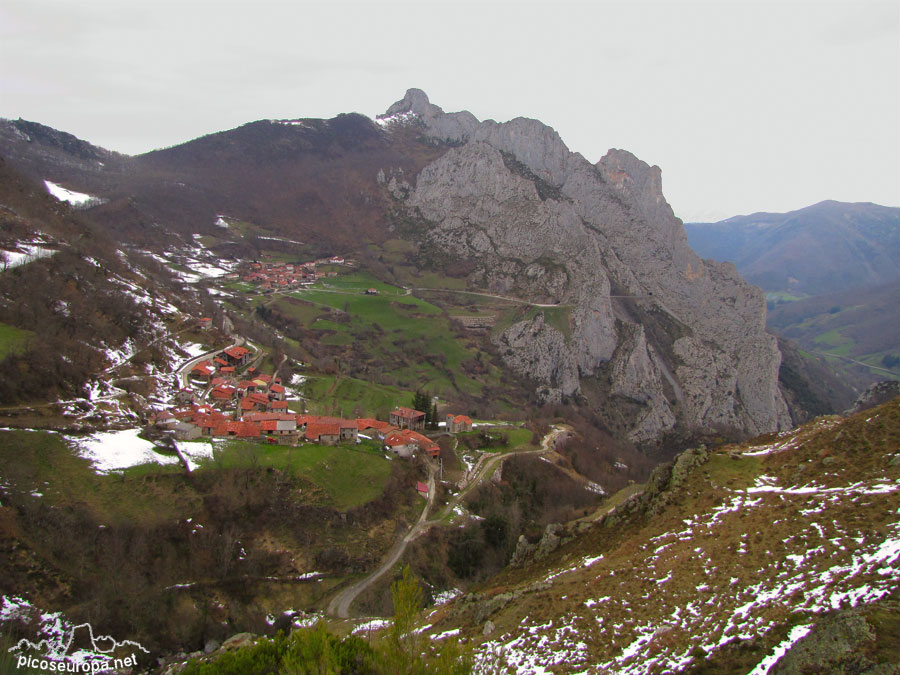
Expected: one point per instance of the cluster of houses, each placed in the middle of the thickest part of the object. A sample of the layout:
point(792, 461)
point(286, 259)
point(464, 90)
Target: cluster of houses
point(252, 391)
point(401, 435)
point(271, 276)
point(253, 405)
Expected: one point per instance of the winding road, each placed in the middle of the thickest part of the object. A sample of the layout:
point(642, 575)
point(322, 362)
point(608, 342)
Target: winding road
point(339, 605)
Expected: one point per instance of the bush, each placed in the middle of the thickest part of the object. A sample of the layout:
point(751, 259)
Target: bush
point(465, 555)
point(495, 529)
point(890, 360)
point(317, 651)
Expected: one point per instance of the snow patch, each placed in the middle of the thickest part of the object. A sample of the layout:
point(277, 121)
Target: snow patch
point(797, 633)
point(76, 199)
point(24, 254)
point(116, 450)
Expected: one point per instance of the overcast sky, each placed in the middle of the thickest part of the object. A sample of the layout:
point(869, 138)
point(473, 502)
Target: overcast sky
point(746, 106)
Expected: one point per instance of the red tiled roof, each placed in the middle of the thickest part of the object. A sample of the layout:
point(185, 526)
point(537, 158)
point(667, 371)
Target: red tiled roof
point(269, 416)
point(205, 409)
point(278, 405)
point(220, 361)
point(406, 437)
point(248, 430)
point(239, 429)
point(237, 352)
point(269, 425)
point(203, 367)
point(368, 423)
point(245, 384)
point(222, 392)
point(206, 422)
point(247, 404)
point(316, 419)
point(462, 419)
point(277, 388)
point(422, 487)
point(314, 431)
point(407, 413)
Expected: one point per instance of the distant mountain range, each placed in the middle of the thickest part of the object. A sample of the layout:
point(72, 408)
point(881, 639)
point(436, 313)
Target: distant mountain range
point(832, 276)
point(829, 247)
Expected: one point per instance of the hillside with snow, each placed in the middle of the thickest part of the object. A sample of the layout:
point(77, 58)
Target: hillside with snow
point(729, 561)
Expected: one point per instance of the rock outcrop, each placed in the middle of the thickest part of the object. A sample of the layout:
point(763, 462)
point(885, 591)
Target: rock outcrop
point(876, 394)
point(680, 339)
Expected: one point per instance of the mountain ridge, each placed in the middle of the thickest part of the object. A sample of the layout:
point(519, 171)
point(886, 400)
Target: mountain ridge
point(827, 247)
point(612, 218)
point(678, 344)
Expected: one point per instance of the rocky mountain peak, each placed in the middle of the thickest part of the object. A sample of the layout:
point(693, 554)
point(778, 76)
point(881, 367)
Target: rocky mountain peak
point(449, 127)
point(622, 168)
point(415, 101)
point(682, 339)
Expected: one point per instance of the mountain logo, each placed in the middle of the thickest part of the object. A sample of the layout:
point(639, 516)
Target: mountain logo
point(58, 655)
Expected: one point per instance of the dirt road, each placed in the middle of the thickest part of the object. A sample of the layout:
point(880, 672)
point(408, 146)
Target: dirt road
point(339, 605)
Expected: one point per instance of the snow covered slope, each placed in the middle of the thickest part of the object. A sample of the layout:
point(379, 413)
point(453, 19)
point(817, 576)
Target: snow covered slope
point(726, 561)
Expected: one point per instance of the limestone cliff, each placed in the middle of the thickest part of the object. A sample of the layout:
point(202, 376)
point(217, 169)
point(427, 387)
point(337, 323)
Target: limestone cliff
point(681, 339)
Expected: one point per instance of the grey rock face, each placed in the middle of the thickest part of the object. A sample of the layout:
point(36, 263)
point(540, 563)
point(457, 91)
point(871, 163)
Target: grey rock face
point(523, 553)
point(876, 394)
point(537, 350)
point(681, 337)
point(836, 644)
point(452, 127)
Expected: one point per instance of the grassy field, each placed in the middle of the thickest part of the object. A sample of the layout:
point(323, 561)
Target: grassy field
point(403, 335)
point(347, 396)
point(734, 473)
point(781, 297)
point(517, 438)
point(42, 462)
point(302, 311)
point(394, 338)
point(239, 287)
point(13, 339)
point(346, 475)
point(358, 282)
point(835, 343)
point(435, 280)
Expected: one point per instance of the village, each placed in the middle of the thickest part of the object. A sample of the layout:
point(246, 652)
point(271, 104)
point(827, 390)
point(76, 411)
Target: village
point(279, 276)
point(227, 397)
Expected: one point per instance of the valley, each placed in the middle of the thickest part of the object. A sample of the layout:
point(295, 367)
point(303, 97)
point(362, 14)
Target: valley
point(269, 387)
point(831, 280)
